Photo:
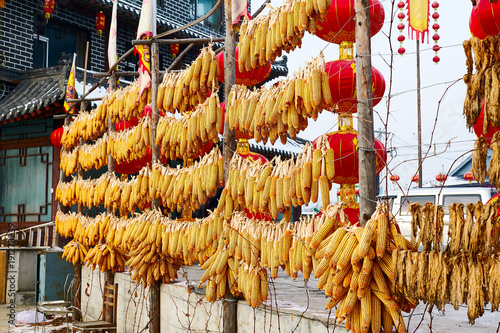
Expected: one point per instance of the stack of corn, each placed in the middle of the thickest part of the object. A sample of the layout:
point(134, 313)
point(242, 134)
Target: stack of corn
point(87, 125)
point(262, 40)
point(355, 270)
point(185, 90)
point(269, 113)
point(186, 137)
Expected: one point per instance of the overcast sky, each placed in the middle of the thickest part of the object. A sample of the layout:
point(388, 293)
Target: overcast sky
point(435, 79)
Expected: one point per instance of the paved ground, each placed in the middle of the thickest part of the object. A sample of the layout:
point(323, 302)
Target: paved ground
point(56, 325)
point(296, 296)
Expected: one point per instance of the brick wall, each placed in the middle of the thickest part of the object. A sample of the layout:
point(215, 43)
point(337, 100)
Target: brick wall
point(18, 21)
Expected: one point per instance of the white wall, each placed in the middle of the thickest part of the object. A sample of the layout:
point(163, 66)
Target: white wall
point(188, 311)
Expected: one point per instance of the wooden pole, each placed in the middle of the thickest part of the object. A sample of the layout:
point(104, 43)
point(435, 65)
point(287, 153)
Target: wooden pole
point(154, 291)
point(229, 304)
point(367, 178)
point(419, 119)
point(109, 276)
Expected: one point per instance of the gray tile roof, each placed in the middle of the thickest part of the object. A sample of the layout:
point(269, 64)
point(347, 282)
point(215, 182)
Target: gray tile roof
point(39, 93)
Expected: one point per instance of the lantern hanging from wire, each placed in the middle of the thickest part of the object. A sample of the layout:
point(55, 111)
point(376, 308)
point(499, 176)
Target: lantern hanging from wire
point(484, 130)
point(174, 50)
point(394, 178)
point(415, 179)
point(338, 26)
point(401, 26)
point(485, 19)
point(100, 22)
point(469, 176)
point(48, 8)
point(441, 177)
point(56, 135)
point(342, 81)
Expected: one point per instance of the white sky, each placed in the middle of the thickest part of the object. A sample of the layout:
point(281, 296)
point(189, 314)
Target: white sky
point(454, 22)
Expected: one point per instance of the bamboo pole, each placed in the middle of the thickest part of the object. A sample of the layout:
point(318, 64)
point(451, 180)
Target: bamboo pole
point(366, 154)
point(78, 266)
point(419, 119)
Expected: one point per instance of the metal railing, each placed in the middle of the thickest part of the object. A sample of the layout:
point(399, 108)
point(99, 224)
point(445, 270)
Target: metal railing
point(40, 236)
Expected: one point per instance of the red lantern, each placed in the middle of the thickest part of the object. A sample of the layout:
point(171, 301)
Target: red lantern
point(48, 8)
point(441, 178)
point(147, 111)
point(174, 50)
point(415, 179)
point(474, 26)
point(134, 166)
point(339, 25)
point(126, 124)
point(485, 19)
point(342, 79)
point(345, 146)
point(56, 136)
point(247, 78)
point(394, 178)
point(100, 22)
point(469, 176)
point(478, 127)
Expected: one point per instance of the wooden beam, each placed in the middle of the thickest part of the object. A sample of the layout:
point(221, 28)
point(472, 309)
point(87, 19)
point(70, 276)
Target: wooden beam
point(177, 41)
point(41, 141)
point(3, 275)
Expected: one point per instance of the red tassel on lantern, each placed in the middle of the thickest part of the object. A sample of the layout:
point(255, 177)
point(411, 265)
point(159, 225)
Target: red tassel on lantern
point(100, 22)
point(48, 8)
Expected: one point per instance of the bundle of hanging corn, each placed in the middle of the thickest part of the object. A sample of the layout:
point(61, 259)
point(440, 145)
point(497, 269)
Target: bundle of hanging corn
point(128, 195)
point(273, 190)
point(484, 84)
point(186, 137)
point(185, 90)
point(89, 192)
point(467, 272)
point(158, 246)
point(69, 161)
point(190, 186)
point(269, 113)
point(355, 270)
point(131, 144)
point(75, 252)
point(123, 104)
point(94, 156)
point(263, 39)
point(87, 125)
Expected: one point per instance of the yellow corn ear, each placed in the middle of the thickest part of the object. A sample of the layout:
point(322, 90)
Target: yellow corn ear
point(366, 238)
point(382, 230)
point(324, 186)
point(345, 256)
point(316, 164)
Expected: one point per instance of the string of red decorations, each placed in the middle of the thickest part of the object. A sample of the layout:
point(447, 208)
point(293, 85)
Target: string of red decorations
point(418, 22)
